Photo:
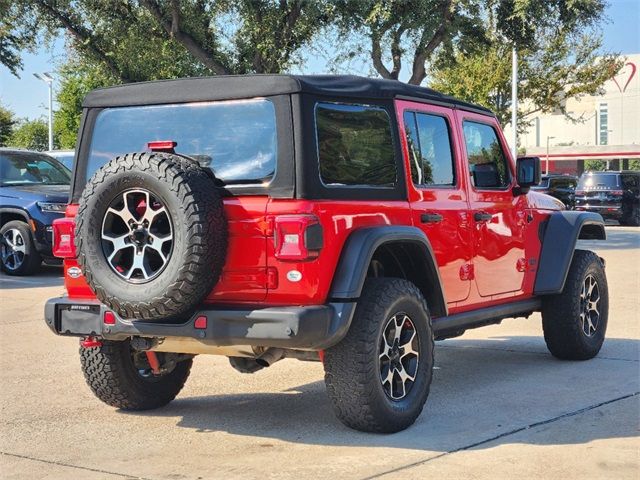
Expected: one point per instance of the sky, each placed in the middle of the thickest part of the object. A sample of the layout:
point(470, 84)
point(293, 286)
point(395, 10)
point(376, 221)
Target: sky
point(28, 97)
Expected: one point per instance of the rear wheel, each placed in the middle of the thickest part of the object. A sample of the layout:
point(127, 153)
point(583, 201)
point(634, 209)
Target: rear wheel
point(378, 376)
point(122, 377)
point(575, 321)
point(18, 254)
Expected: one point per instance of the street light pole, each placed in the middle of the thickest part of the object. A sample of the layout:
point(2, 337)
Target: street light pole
point(48, 79)
point(547, 159)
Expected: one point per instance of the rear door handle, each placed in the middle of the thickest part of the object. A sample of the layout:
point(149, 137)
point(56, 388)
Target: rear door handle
point(430, 218)
point(482, 216)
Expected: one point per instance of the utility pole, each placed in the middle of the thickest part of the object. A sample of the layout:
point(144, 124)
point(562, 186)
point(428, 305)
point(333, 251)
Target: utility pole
point(514, 102)
point(48, 79)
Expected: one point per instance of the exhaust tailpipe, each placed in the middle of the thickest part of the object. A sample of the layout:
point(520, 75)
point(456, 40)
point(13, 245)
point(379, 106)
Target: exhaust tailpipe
point(270, 356)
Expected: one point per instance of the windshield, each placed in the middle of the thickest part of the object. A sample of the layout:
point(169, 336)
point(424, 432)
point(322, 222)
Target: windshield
point(236, 139)
point(28, 168)
point(595, 180)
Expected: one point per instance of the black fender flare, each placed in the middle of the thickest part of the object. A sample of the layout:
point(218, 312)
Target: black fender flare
point(358, 250)
point(563, 229)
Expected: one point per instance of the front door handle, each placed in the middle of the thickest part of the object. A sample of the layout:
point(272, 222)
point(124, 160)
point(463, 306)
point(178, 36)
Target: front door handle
point(482, 216)
point(430, 218)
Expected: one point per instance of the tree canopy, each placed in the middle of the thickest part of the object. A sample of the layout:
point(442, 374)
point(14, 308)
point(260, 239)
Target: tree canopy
point(152, 39)
point(7, 122)
point(459, 46)
point(30, 134)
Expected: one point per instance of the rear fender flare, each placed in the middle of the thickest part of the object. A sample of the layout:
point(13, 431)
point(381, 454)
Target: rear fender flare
point(361, 246)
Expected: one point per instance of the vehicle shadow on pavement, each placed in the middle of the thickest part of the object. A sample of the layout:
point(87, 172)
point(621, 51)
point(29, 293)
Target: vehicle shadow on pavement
point(483, 390)
point(46, 277)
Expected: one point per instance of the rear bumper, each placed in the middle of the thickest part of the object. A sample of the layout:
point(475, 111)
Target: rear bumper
point(308, 328)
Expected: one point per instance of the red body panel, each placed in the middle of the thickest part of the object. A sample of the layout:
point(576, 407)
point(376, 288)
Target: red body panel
point(481, 263)
point(451, 239)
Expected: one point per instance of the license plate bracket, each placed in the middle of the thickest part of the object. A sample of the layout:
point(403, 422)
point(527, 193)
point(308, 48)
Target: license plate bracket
point(79, 320)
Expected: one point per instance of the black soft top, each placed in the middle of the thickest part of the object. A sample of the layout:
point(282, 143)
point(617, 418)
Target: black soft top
point(231, 87)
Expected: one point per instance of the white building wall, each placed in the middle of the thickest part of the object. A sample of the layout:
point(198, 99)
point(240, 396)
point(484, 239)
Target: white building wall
point(620, 100)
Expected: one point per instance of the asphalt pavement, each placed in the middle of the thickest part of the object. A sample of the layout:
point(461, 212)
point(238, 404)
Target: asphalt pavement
point(500, 406)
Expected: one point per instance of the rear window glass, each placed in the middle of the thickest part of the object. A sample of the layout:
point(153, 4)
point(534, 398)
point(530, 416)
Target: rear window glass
point(31, 168)
point(598, 181)
point(237, 139)
point(355, 146)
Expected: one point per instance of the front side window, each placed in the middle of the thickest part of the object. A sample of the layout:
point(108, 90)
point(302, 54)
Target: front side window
point(487, 162)
point(235, 139)
point(429, 145)
point(355, 145)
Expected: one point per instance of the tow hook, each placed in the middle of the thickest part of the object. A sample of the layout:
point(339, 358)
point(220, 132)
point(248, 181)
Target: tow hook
point(154, 363)
point(90, 342)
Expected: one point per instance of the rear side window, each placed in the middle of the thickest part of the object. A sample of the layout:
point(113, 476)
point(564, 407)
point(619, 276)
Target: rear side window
point(235, 139)
point(487, 162)
point(355, 145)
point(429, 145)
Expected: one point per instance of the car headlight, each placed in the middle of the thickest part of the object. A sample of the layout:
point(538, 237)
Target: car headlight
point(52, 207)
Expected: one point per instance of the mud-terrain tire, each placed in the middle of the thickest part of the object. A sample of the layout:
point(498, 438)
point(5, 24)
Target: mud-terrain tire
point(113, 377)
point(572, 330)
point(354, 368)
point(25, 260)
point(197, 228)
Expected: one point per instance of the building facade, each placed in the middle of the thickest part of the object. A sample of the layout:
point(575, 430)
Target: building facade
point(608, 128)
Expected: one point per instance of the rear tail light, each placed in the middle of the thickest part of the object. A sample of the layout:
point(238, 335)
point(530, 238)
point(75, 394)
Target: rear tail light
point(617, 193)
point(580, 192)
point(109, 318)
point(297, 237)
point(64, 238)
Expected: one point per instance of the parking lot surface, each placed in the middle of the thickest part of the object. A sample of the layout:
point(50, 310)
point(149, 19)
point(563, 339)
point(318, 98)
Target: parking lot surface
point(500, 406)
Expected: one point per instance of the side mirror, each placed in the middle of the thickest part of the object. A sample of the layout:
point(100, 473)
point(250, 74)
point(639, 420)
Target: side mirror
point(527, 173)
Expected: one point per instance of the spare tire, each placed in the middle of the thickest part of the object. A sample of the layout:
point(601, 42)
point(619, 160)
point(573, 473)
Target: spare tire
point(151, 235)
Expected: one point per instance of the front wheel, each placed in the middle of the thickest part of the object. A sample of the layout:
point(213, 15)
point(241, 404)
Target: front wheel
point(378, 376)
point(575, 321)
point(18, 254)
point(122, 377)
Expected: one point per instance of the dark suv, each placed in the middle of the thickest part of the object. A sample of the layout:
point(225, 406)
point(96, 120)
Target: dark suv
point(614, 195)
point(562, 187)
point(34, 191)
point(339, 219)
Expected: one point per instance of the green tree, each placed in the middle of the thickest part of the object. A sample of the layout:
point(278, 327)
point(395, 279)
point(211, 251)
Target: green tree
point(595, 165)
point(7, 122)
point(394, 33)
point(77, 78)
point(564, 66)
point(428, 34)
point(153, 39)
point(30, 134)
point(13, 40)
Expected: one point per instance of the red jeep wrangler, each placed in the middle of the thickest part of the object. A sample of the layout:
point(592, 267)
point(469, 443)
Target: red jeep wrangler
point(332, 218)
